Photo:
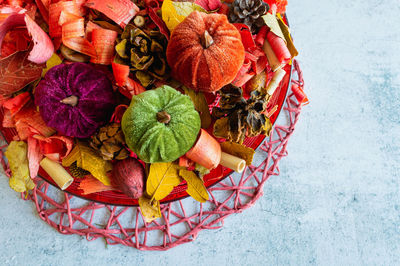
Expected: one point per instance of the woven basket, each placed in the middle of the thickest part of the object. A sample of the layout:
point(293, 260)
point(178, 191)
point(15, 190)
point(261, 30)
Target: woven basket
point(182, 219)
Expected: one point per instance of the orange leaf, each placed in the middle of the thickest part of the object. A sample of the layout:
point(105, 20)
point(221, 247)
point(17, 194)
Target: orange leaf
point(55, 10)
point(91, 185)
point(80, 45)
point(103, 41)
point(15, 104)
point(55, 147)
point(29, 121)
point(73, 29)
point(66, 17)
point(90, 26)
point(120, 11)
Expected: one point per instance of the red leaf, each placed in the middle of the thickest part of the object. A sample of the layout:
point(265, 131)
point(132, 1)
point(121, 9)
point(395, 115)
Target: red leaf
point(158, 21)
point(247, 38)
point(16, 71)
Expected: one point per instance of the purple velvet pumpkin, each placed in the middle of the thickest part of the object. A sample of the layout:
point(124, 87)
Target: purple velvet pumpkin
point(75, 99)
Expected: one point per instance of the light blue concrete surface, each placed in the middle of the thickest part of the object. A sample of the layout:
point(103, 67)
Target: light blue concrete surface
point(337, 200)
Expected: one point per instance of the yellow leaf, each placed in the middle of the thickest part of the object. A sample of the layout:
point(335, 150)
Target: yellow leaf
point(72, 157)
point(174, 13)
point(162, 179)
point(201, 106)
point(16, 154)
point(221, 128)
point(196, 187)
point(238, 150)
point(150, 209)
point(286, 32)
point(88, 159)
point(272, 22)
point(54, 60)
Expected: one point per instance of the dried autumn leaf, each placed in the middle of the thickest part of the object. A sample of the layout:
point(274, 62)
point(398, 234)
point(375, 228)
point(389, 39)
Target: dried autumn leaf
point(196, 187)
point(238, 150)
point(174, 13)
point(91, 185)
point(286, 32)
point(42, 47)
point(272, 22)
point(239, 117)
point(120, 11)
point(201, 170)
point(221, 128)
point(150, 209)
point(29, 121)
point(88, 159)
point(16, 71)
point(162, 179)
point(55, 147)
point(16, 154)
point(54, 60)
point(103, 42)
point(257, 82)
point(34, 156)
point(201, 106)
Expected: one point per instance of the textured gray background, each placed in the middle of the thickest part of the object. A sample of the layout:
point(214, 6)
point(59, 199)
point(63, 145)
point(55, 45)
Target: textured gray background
point(337, 199)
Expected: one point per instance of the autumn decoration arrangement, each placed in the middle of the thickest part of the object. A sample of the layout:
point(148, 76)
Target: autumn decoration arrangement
point(137, 96)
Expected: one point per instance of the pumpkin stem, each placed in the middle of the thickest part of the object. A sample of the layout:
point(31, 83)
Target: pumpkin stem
point(163, 117)
point(206, 40)
point(71, 100)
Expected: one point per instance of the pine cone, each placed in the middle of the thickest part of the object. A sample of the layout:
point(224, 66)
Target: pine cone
point(109, 141)
point(77, 171)
point(144, 52)
point(248, 12)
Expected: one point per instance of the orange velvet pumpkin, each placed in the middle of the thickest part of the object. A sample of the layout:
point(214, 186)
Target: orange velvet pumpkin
point(205, 52)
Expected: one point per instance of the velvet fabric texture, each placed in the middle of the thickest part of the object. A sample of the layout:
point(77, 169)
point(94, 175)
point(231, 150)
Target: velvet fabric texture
point(95, 99)
point(200, 68)
point(160, 139)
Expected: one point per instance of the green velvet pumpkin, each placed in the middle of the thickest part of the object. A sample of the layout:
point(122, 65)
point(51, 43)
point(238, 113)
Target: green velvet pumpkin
point(160, 125)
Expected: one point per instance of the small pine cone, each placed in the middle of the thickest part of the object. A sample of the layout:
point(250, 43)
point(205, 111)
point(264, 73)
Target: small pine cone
point(77, 171)
point(248, 12)
point(109, 141)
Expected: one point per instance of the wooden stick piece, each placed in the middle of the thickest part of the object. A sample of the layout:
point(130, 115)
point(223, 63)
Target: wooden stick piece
point(62, 178)
point(275, 81)
point(273, 110)
point(232, 162)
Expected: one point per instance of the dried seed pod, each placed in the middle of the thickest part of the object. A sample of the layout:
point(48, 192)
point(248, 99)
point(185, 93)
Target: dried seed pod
point(238, 117)
point(72, 55)
point(128, 175)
